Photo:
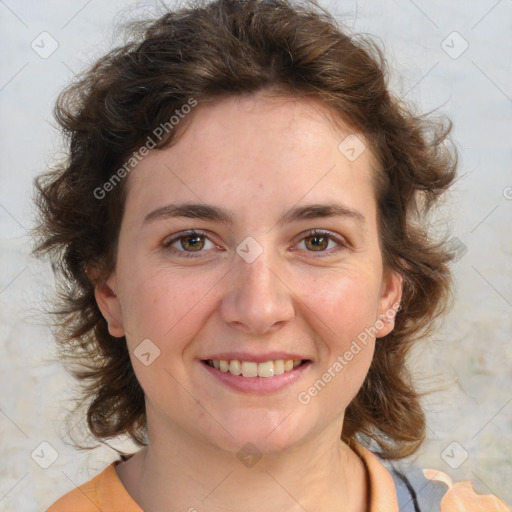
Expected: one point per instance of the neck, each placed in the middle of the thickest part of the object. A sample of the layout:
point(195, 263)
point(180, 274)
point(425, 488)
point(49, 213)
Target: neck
point(181, 473)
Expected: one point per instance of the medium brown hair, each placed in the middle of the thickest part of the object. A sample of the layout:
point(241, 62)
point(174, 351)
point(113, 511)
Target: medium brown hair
point(231, 47)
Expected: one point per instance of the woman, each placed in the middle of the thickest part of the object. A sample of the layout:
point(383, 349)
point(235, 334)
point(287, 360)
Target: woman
point(239, 229)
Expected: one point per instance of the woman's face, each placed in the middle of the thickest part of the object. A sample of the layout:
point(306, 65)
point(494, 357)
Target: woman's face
point(252, 283)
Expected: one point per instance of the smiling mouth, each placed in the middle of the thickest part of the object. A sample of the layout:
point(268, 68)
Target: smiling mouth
point(252, 369)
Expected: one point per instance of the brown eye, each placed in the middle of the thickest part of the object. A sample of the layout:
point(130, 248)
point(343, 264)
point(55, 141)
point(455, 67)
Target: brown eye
point(317, 242)
point(192, 242)
point(187, 244)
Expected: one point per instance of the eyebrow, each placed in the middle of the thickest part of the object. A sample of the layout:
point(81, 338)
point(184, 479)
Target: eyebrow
point(217, 214)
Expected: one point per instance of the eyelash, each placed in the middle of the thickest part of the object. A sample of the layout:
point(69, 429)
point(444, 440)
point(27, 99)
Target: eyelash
point(314, 232)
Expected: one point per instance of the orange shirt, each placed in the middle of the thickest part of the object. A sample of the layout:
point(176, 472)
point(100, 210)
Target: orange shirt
point(106, 493)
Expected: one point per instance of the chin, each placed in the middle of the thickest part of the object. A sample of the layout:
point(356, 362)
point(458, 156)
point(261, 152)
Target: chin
point(268, 435)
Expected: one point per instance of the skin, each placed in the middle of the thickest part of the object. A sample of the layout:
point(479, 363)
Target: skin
point(257, 156)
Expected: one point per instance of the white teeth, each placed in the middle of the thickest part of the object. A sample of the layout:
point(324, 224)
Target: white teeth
point(235, 367)
point(252, 369)
point(249, 369)
point(278, 367)
point(266, 369)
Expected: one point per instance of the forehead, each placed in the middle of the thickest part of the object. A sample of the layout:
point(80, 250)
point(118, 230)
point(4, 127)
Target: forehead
point(242, 147)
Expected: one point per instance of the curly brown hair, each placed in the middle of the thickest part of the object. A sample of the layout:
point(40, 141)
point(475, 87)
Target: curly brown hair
point(233, 47)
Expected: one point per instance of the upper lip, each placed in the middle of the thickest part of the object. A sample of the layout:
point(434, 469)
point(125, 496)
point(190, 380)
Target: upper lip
point(256, 358)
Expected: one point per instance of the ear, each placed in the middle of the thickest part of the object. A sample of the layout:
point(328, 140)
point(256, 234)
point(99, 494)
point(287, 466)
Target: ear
point(389, 303)
point(108, 301)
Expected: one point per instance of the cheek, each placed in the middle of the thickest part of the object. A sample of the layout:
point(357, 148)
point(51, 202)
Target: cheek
point(161, 304)
point(346, 301)
point(343, 311)
point(168, 310)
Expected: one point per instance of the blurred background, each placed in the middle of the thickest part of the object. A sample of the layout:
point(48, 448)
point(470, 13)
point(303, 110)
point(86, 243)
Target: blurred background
point(452, 57)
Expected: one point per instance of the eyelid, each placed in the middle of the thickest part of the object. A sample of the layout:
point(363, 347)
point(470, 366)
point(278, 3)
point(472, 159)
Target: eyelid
point(340, 240)
point(182, 234)
point(168, 241)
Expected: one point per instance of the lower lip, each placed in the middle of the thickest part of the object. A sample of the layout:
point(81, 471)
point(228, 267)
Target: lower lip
point(258, 385)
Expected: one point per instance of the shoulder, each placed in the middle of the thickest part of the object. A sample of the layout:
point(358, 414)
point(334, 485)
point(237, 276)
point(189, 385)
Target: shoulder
point(421, 490)
point(105, 493)
point(405, 487)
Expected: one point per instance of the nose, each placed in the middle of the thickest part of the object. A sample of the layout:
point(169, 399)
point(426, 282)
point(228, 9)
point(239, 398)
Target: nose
point(258, 299)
